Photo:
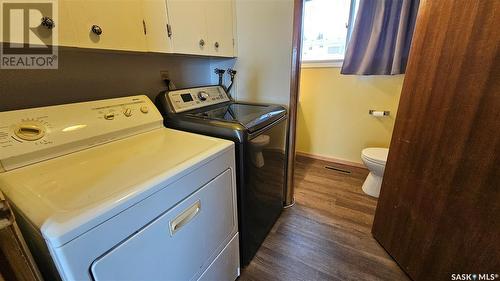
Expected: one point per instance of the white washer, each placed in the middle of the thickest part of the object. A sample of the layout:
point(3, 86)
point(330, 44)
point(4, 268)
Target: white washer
point(103, 191)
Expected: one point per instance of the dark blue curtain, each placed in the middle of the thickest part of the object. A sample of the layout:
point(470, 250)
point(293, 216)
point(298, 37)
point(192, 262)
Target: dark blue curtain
point(381, 37)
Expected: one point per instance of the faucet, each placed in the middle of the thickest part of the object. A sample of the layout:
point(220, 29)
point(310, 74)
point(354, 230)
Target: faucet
point(231, 73)
point(220, 72)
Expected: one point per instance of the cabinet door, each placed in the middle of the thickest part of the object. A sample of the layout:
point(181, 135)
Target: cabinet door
point(60, 33)
point(155, 17)
point(220, 27)
point(120, 21)
point(189, 26)
point(65, 25)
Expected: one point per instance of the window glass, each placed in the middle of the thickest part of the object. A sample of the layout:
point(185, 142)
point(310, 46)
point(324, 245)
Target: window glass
point(325, 29)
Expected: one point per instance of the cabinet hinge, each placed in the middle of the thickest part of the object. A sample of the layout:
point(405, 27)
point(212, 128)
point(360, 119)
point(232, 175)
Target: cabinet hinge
point(233, 42)
point(169, 30)
point(144, 27)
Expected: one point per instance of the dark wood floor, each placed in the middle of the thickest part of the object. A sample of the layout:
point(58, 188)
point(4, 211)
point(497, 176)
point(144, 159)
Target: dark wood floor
point(326, 234)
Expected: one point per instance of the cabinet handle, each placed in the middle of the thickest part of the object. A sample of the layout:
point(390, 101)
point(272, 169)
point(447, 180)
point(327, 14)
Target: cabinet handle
point(48, 22)
point(169, 30)
point(216, 45)
point(96, 29)
point(202, 42)
point(185, 217)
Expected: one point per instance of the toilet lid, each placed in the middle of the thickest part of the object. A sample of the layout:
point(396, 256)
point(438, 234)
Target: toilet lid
point(376, 154)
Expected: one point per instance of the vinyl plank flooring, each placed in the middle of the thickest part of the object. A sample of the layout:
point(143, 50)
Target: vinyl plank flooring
point(326, 235)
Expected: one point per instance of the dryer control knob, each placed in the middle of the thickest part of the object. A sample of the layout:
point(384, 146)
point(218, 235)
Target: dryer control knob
point(128, 112)
point(30, 131)
point(203, 96)
point(109, 116)
point(144, 109)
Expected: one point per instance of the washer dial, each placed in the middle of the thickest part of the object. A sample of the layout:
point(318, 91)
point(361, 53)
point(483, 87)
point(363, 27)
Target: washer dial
point(203, 96)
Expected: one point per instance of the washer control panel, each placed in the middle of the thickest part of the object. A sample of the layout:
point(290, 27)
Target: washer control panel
point(193, 98)
point(32, 135)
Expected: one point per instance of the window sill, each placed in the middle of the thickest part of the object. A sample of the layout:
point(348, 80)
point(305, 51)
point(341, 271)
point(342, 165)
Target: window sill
point(322, 64)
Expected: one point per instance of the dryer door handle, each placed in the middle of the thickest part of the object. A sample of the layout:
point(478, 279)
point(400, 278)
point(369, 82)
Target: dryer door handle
point(185, 217)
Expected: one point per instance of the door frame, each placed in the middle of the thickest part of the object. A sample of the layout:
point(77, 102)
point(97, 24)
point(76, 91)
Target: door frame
point(294, 99)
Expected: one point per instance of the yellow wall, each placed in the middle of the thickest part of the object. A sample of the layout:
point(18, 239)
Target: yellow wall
point(265, 30)
point(333, 118)
point(264, 47)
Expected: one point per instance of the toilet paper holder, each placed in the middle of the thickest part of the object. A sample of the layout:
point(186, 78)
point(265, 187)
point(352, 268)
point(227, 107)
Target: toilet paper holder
point(379, 112)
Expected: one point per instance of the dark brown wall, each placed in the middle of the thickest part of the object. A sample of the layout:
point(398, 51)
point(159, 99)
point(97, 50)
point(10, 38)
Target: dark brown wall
point(95, 74)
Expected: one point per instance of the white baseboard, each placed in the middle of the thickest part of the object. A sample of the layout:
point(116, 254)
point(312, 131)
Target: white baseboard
point(331, 159)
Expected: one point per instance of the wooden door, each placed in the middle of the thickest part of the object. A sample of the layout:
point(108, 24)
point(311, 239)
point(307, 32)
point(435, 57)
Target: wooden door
point(439, 209)
point(121, 22)
point(220, 27)
point(189, 26)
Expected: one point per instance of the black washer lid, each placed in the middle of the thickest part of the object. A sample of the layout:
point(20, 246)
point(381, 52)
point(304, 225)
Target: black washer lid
point(251, 116)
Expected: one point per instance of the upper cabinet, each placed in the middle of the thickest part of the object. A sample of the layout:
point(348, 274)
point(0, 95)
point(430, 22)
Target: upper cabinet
point(188, 26)
point(198, 27)
point(108, 24)
point(156, 24)
point(65, 24)
point(220, 32)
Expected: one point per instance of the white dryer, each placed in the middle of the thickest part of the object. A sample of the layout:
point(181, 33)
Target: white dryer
point(102, 191)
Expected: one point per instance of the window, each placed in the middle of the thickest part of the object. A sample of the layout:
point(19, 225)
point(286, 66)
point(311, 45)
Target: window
point(327, 24)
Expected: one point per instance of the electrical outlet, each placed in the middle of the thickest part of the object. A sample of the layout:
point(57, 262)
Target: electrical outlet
point(164, 75)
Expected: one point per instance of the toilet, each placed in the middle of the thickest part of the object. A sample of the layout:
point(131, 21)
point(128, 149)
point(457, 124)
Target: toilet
point(256, 146)
point(374, 159)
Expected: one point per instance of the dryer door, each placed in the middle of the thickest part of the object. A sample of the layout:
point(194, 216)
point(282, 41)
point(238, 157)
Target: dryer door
point(181, 243)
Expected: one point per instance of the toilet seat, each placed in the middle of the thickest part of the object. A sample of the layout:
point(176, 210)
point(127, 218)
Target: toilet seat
point(375, 155)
